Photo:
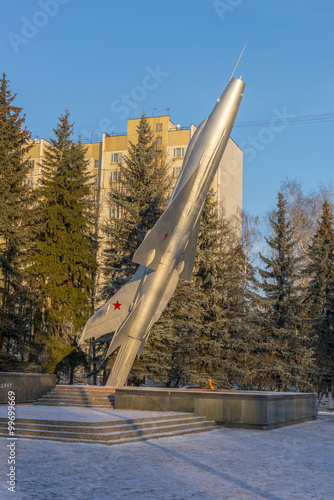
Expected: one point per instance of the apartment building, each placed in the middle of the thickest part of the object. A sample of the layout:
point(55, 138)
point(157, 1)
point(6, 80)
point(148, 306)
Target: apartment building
point(104, 156)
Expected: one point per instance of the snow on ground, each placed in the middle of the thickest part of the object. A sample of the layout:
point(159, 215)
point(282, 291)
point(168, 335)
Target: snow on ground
point(291, 463)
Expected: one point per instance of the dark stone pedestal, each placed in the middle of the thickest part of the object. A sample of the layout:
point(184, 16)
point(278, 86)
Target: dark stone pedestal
point(27, 386)
point(246, 409)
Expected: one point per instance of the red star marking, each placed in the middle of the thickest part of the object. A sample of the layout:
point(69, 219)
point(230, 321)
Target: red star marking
point(117, 306)
point(166, 236)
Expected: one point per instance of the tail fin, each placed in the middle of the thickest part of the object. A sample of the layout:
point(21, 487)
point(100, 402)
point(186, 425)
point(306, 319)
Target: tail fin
point(125, 329)
point(112, 314)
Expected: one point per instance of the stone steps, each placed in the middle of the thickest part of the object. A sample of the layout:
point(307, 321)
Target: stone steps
point(76, 405)
point(86, 397)
point(108, 433)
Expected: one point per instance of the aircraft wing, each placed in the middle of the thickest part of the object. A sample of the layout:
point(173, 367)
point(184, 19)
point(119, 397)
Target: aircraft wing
point(112, 314)
point(154, 246)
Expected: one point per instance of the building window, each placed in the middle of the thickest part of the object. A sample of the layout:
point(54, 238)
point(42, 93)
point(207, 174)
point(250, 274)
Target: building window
point(158, 127)
point(158, 141)
point(176, 172)
point(96, 164)
point(113, 213)
point(32, 164)
point(178, 153)
point(95, 199)
point(30, 182)
point(114, 176)
point(96, 181)
point(115, 157)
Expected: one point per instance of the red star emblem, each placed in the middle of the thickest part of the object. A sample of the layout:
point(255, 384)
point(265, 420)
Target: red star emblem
point(166, 236)
point(117, 306)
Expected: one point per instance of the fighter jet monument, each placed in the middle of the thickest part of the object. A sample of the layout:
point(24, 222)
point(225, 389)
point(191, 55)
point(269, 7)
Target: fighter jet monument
point(168, 250)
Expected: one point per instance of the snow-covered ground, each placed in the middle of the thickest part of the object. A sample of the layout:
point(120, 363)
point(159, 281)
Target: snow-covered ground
point(295, 462)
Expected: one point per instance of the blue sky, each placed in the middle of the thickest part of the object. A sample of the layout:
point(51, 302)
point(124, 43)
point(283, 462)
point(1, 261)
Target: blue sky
point(97, 58)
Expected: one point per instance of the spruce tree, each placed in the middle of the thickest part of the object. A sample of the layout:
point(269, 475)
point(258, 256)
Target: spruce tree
point(15, 241)
point(74, 364)
point(219, 342)
point(65, 250)
point(283, 352)
point(320, 298)
point(163, 358)
point(200, 335)
point(139, 199)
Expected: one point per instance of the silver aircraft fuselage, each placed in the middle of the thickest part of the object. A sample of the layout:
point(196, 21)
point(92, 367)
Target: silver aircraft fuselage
point(168, 250)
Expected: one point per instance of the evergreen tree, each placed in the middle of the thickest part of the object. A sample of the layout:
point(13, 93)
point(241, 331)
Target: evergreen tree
point(65, 250)
point(320, 298)
point(304, 211)
point(139, 199)
point(199, 336)
point(16, 201)
point(283, 352)
point(72, 365)
point(219, 343)
point(167, 347)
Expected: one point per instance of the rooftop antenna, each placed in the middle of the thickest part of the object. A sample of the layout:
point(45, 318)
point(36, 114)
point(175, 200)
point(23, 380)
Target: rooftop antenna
point(235, 67)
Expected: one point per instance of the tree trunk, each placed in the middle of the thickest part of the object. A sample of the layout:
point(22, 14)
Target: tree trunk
point(330, 398)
